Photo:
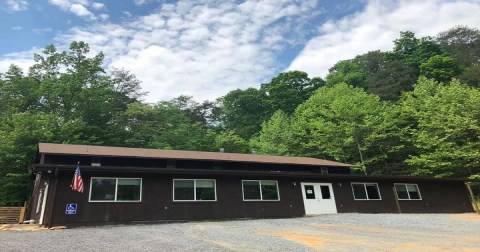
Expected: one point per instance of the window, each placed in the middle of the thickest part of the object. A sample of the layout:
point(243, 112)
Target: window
point(366, 191)
point(194, 190)
point(309, 192)
point(260, 190)
point(115, 189)
point(325, 192)
point(407, 192)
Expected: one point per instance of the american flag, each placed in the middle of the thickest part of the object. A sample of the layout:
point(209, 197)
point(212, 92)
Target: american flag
point(77, 182)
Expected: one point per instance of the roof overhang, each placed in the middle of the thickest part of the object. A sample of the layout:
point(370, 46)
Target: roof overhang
point(107, 151)
point(280, 174)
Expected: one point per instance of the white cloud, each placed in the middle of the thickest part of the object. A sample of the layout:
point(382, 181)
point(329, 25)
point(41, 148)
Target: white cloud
point(81, 11)
point(16, 5)
point(199, 48)
point(207, 48)
point(377, 26)
point(22, 59)
point(141, 2)
point(79, 7)
point(98, 6)
point(16, 28)
point(126, 13)
point(104, 17)
point(63, 4)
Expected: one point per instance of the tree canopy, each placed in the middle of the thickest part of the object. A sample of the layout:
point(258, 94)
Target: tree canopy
point(411, 111)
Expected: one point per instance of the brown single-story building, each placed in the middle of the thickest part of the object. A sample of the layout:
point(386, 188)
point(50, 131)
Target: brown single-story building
point(134, 184)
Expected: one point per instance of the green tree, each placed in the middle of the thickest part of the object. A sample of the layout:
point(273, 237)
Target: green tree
point(164, 126)
point(385, 77)
point(392, 80)
point(447, 129)
point(345, 124)
point(18, 93)
point(230, 142)
point(275, 136)
point(14, 189)
point(349, 72)
point(288, 90)
point(471, 76)
point(462, 43)
point(67, 97)
point(440, 68)
point(205, 113)
point(414, 51)
point(244, 111)
point(20, 134)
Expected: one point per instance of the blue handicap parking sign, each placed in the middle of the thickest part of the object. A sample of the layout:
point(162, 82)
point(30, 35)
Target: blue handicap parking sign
point(71, 208)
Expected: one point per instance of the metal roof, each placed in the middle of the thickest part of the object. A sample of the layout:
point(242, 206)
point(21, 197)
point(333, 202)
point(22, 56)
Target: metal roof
point(108, 151)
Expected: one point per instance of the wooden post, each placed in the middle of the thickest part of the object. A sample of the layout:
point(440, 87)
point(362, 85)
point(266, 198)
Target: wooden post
point(474, 202)
point(396, 201)
point(22, 213)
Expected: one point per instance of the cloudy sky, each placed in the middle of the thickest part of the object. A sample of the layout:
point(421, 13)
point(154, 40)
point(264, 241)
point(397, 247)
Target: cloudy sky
point(206, 48)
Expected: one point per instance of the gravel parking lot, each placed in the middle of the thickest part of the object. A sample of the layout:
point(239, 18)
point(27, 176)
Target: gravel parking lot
point(336, 232)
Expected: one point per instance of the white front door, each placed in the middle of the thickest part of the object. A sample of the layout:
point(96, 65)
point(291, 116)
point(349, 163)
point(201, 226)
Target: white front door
point(318, 198)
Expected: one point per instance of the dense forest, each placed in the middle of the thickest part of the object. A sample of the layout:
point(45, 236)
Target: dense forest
point(414, 110)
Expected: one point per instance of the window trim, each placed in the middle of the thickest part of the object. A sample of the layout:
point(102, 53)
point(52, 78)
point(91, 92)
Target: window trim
point(116, 191)
point(405, 184)
point(365, 188)
point(261, 194)
point(194, 191)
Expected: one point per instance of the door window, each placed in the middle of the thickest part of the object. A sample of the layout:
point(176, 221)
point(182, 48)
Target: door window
point(309, 192)
point(325, 192)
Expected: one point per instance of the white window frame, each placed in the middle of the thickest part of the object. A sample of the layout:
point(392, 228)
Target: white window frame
point(405, 184)
point(194, 190)
point(365, 188)
point(261, 194)
point(116, 190)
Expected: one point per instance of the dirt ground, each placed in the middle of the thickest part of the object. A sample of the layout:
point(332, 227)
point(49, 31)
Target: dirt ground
point(336, 232)
point(418, 241)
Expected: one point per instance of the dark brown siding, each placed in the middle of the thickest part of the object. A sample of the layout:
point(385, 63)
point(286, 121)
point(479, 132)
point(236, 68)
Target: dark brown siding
point(157, 199)
point(437, 197)
point(347, 204)
point(157, 203)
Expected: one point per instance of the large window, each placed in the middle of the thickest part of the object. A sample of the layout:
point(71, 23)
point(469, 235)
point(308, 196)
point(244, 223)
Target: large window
point(366, 191)
point(194, 190)
point(115, 189)
point(407, 192)
point(260, 190)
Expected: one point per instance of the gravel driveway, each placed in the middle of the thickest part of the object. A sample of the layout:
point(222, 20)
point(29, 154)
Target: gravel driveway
point(336, 232)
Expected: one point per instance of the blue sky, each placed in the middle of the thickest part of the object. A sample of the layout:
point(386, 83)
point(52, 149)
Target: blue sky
point(206, 48)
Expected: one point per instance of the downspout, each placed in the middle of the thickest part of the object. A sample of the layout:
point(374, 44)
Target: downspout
point(34, 197)
point(52, 204)
point(396, 200)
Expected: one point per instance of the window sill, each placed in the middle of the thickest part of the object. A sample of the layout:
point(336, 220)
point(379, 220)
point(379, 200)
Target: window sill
point(261, 200)
point(194, 201)
point(121, 202)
